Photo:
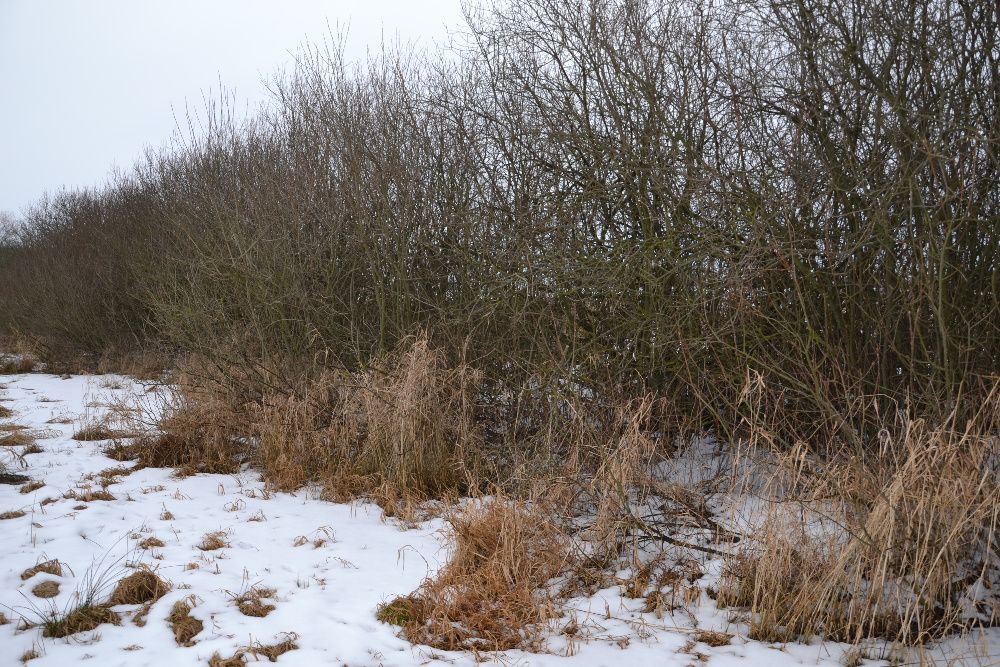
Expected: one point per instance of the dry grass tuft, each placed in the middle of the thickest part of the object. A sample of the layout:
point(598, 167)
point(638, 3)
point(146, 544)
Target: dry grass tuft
point(273, 651)
point(3, 619)
point(81, 619)
point(12, 428)
point(184, 625)
point(46, 589)
point(88, 495)
point(11, 478)
point(213, 541)
point(16, 436)
point(111, 475)
point(53, 567)
point(96, 432)
point(151, 542)
point(416, 415)
point(402, 429)
point(713, 638)
point(493, 594)
point(256, 649)
point(401, 611)
point(17, 365)
point(5, 412)
point(29, 655)
point(236, 660)
point(32, 486)
point(138, 588)
point(12, 514)
point(60, 420)
point(884, 545)
point(251, 602)
point(192, 428)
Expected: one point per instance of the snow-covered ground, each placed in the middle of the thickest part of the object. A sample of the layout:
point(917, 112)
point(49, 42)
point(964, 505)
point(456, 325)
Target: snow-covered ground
point(330, 565)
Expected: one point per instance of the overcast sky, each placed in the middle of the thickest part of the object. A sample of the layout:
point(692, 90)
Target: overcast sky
point(85, 85)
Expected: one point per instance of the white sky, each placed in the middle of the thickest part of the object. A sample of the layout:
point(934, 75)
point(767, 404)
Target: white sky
point(85, 85)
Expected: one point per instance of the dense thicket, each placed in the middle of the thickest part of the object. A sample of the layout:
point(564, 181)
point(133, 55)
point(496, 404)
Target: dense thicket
point(625, 195)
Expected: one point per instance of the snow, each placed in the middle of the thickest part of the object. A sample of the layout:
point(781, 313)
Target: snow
point(331, 565)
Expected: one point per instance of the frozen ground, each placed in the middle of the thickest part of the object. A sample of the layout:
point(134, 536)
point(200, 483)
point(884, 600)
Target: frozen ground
point(330, 564)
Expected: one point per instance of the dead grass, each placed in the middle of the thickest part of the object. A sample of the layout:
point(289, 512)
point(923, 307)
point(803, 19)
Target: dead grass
point(88, 495)
point(256, 650)
point(5, 412)
point(881, 546)
point(401, 611)
point(17, 365)
point(184, 625)
point(16, 436)
point(151, 542)
point(273, 651)
point(236, 660)
point(46, 589)
point(3, 619)
point(53, 567)
point(193, 429)
point(32, 486)
point(81, 619)
point(213, 541)
point(146, 364)
point(494, 592)
point(416, 416)
point(11, 428)
point(96, 432)
point(29, 655)
point(12, 478)
point(139, 587)
point(252, 602)
point(713, 638)
point(111, 475)
point(12, 514)
point(402, 430)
